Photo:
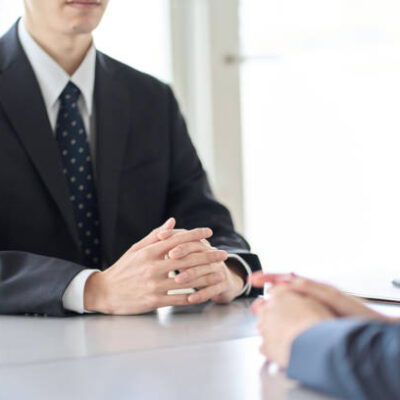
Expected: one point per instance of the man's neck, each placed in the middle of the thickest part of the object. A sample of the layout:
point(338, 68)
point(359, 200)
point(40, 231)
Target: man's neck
point(67, 50)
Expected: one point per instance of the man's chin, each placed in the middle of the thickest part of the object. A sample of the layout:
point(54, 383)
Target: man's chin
point(82, 28)
point(80, 23)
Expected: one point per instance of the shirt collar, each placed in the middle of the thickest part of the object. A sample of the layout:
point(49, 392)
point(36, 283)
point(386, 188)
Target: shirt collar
point(52, 78)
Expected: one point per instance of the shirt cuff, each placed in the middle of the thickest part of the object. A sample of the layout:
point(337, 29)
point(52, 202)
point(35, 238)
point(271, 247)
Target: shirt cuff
point(247, 287)
point(73, 297)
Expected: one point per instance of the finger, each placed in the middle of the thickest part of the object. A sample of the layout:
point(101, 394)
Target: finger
point(287, 295)
point(188, 248)
point(195, 235)
point(152, 237)
point(173, 300)
point(165, 235)
point(194, 260)
point(208, 280)
point(204, 281)
point(281, 288)
point(336, 301)
point(312, 288)
point(206, 242)
point(326, 294)
point(207, 293)
point(257, 305)
point(259, 279)
point(194, 273)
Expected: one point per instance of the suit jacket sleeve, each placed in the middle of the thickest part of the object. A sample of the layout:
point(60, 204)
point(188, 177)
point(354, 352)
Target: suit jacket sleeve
point(349, 358)
point(23, 288)
point(191, 200)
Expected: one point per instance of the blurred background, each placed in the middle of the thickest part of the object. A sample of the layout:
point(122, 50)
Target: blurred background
point(294, 107)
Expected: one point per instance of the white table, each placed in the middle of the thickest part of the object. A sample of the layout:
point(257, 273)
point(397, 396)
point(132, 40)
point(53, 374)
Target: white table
point(203, 352)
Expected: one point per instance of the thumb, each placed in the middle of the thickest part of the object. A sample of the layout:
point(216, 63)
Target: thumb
point(258, 279)
point(152, 237)
point(257, 305)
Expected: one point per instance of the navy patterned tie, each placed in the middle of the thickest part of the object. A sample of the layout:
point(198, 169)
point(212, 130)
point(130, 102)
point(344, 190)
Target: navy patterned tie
point(77, 164)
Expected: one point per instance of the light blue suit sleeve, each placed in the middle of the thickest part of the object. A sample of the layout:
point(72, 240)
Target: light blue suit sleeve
point(349, 358)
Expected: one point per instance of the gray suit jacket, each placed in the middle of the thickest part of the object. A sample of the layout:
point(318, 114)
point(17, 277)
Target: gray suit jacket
point(349, 358)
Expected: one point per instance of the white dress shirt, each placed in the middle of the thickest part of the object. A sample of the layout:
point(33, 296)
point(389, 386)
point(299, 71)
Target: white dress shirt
point(52, 80)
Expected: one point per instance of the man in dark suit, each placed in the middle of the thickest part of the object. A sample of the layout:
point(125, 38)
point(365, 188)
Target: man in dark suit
point(93, 156)
point(327, 340)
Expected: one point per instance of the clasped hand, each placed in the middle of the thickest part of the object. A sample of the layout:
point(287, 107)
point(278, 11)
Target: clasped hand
point(138, 282)
point(295, 305)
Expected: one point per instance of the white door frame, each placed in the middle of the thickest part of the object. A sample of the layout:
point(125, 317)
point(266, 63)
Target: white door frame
point(205, 39)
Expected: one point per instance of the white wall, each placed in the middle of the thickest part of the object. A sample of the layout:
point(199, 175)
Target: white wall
point(321, 101)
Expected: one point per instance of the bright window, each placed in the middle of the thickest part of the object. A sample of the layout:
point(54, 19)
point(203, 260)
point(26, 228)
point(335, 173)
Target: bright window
point(10, 10)
point(321, 111)
point(135, 32)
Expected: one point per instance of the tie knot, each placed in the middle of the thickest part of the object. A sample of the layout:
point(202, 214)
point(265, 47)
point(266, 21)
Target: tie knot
point(70, 93)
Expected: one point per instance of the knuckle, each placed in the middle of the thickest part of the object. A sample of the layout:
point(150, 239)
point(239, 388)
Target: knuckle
point(152, 302)
point(211, 279)
point(150, 271)
point(180, 248)
point(187, 275)
point(185, 246)
point(202, 298)
point(152, 286)
point(213, 256)
point(146, 253)
point(216, 290)
point(221, 267)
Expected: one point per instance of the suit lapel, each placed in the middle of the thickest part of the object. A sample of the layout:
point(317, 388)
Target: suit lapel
point(112, 107)
point(22, 101)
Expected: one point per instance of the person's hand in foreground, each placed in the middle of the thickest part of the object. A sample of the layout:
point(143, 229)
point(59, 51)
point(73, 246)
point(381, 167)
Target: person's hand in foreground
point(295, 305)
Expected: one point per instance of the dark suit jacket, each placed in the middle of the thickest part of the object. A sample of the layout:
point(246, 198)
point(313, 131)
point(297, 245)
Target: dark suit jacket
point(348, 358)
point(147, 170)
